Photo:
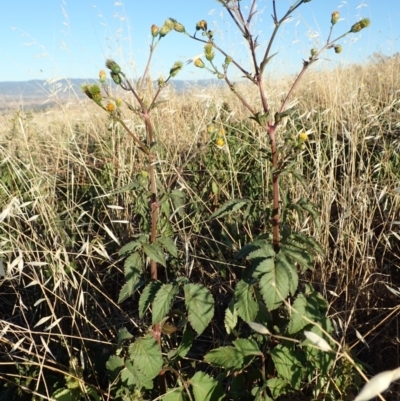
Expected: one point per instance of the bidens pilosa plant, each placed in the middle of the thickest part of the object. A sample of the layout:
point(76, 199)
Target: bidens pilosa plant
point(278, 339)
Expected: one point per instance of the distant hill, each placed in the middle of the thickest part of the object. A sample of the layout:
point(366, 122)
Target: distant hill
point(38, 94)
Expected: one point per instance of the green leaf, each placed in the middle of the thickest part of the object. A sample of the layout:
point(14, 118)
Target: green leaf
point(246, 305)
point(92, 392)
point(163, 301)
point(288, 365)
point(278, 387)
point(200, 305)
point(129, 247)
point(262, 246)
point(298, 255)
point(225, 357)
point(229, 207)
point(63, 394)
point(205, 388)
point(155, 253)
point(115, 364)
point(184, 346)
point(231, 318)
point(307, 307)
point(123, 334)
point(176, 394)
point(145, 353)
point(148, 296)
point(284, 263)
point(134, 377)
point(169, 245)
point(275, 286)
point(247, 347)
point(132, 270)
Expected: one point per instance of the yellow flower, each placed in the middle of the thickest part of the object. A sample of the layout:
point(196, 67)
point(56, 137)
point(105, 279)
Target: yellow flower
point(220, 142)
point(110, 107)
point(102, 76)
point(303, 137)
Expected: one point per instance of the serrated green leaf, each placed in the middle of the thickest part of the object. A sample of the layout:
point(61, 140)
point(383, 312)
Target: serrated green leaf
point(305, 308)
point(134, 377)
point(132, 276)
point(225, 357)
point(231, 318)
point(298, 255)
point(148, 296)
point(169, 245)
point(155, 252)
point(176, 394)
point(283, 262)
point(129, 247)
point(229, 207)
point(262, 266)
point(261, 245)
point(205, 388)
point(275, 286)
point(146, 355)
point(200, 305)
point(311, 243)
point(163, 301)
point(115, 363)
point(186, 343)
point(288, 365)
point(247, 347)
point(278, 387)
point(245, 304)
point(123, 334)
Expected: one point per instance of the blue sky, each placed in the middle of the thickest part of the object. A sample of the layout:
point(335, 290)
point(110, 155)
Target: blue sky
point(51, 39)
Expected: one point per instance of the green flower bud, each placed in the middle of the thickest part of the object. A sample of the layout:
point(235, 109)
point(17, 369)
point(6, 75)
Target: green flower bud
point(220, 76)
point(314, 52)
point(178, 27)
point(365, 23)
point(102, 77)
point(116, 78)
point(161, 82)
point(201, 25)
point(113, 66)
point(175, 68)
point(356, 28)
point(338, 49)
point(154, 30)
point(199, 63)
point(228, 60)
point(209, 51)
point(164, 30)
point(335, 17)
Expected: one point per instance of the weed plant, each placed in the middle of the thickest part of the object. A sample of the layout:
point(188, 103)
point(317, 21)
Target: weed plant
point(149, 253)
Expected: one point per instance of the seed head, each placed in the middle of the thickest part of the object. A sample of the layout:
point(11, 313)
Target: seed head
point(335, 17)
point(175, 68)
point(154, 30)
point(201, 25)
point(338, 49)
point(113, 66)
point(199, 63)
point(102, 77)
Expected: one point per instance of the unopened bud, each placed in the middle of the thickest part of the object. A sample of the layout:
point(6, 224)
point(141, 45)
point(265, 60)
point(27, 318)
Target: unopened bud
point(113, 66)
point(199, 63)
point(178, 27)
point(201, 25)
point(356, 27)
point(228, 60)
point(335, 17)
point(118, 102)
point(209, 51)
point(161, 82)
point(175, 68)
point(164, 30)
point(314, 52)
point(365, 23)
point(338, 49)
point(154, 30)
point(220, 76)
point(102, 76)
point(116, 78)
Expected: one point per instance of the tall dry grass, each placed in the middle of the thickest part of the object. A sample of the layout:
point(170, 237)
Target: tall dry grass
point(59, 234)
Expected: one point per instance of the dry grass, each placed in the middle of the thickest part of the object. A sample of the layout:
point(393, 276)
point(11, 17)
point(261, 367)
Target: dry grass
point(61, 259)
